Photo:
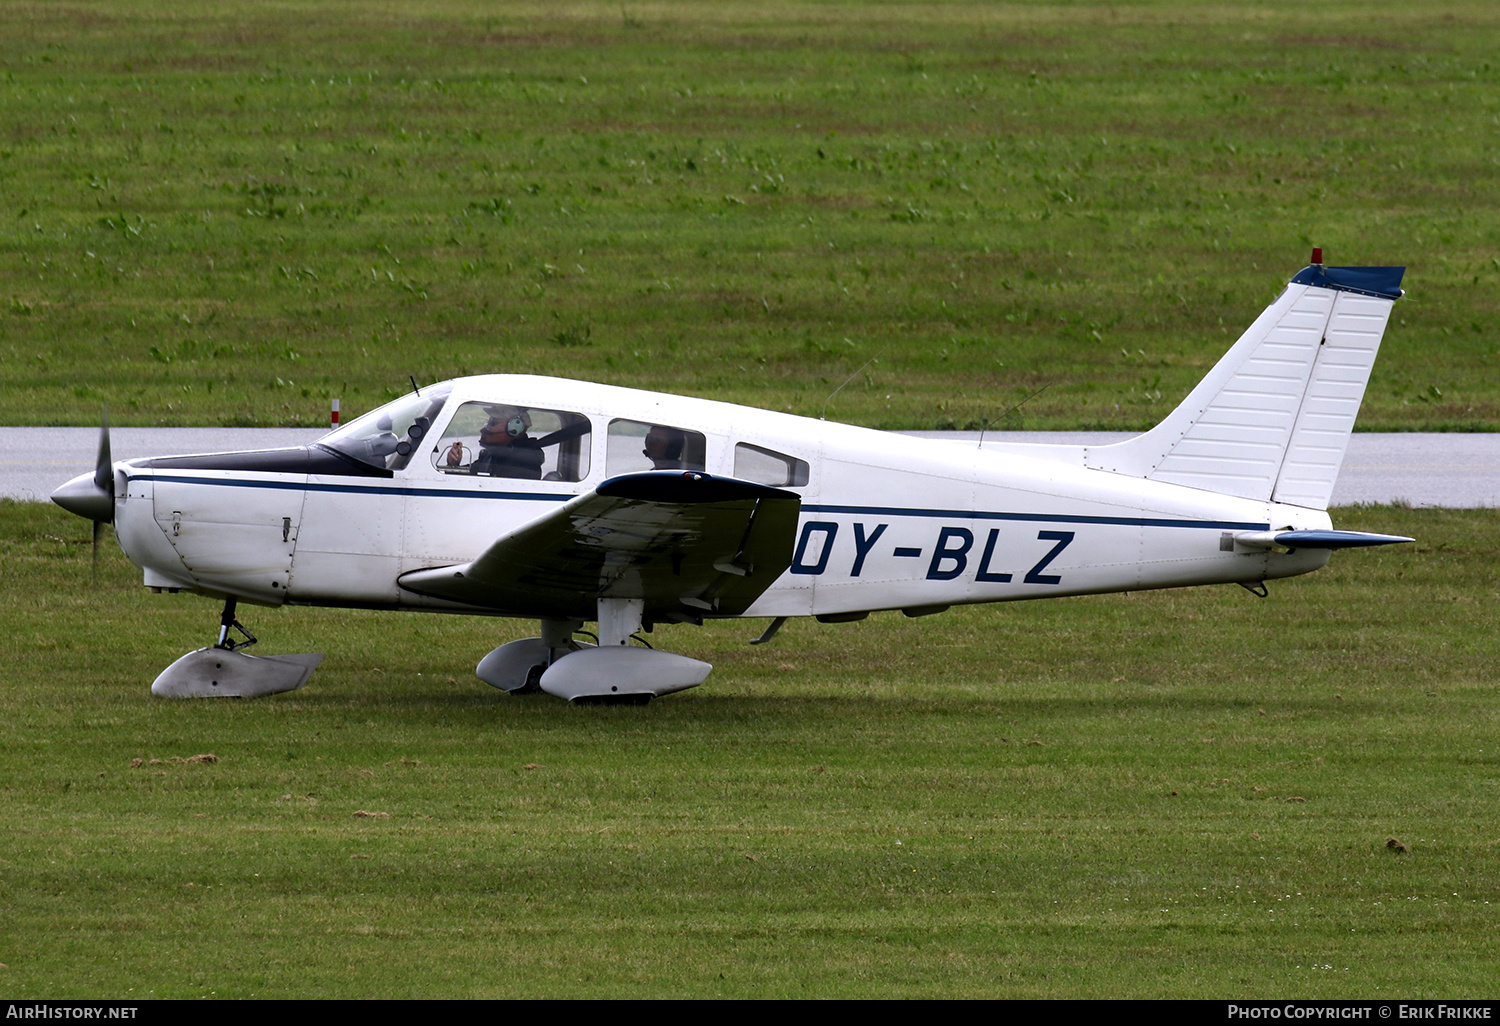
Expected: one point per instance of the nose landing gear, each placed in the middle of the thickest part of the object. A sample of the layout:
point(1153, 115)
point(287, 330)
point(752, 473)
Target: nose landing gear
point(225, 671)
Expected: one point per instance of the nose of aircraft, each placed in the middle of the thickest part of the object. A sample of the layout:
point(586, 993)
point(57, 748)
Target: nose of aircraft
point(83, 496)
point(92, 495)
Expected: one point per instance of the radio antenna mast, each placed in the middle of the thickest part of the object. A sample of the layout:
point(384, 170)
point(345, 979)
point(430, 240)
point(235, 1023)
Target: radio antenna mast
point(836, 391)
point(985, 426)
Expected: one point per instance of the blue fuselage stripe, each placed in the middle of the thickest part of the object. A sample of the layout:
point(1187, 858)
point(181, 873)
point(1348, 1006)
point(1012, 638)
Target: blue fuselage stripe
point(868, 511)
point(1035, 518)
point(299, 486)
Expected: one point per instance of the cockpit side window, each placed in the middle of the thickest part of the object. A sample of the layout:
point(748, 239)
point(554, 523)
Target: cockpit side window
point(768, 467)
point(521, 442)
point(388, 436)
point(636, 446)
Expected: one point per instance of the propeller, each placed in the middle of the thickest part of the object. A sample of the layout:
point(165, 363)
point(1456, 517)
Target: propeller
point(93, 495)
point(104, 468)
point(104, 480)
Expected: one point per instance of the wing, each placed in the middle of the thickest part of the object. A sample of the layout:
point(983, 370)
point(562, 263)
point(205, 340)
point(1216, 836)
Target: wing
point(689, 544)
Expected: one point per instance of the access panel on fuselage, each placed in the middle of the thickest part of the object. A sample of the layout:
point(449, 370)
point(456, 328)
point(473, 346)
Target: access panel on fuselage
point(349, 552)
point(232, 532)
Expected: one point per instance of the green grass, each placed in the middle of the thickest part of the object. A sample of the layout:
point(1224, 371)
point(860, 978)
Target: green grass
point(1175, 794)
point(230, 213)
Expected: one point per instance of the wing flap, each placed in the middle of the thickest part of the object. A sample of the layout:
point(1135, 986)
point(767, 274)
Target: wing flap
point(688, 544)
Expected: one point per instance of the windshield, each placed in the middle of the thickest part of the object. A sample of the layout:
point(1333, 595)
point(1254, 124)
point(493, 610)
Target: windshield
point(386, 437)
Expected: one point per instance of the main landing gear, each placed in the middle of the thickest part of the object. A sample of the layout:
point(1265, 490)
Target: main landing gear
point(613, 671)
point(225, 671)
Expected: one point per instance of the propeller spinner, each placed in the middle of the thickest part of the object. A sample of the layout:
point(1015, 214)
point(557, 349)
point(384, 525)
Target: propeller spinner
point(92, 495)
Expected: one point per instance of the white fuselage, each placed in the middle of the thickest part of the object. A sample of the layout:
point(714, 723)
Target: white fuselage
point(887, 521)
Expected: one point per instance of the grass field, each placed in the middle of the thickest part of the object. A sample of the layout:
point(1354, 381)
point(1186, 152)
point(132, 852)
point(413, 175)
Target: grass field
point(1175, 794)
point(230, 213)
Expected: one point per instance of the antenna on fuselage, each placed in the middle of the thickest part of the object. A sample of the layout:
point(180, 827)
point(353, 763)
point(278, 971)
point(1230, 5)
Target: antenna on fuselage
point(413, 379)
point(985, 425)
point(836, 391)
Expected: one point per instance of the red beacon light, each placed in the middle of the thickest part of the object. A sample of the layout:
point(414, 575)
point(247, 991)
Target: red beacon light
point(1317, 257)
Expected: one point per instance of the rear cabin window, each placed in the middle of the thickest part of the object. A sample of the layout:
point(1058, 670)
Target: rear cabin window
point(520, 442)
point(636, 446)
point(768, 467)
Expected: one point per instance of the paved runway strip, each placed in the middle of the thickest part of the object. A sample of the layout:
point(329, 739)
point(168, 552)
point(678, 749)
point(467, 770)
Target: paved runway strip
point(1458, 471)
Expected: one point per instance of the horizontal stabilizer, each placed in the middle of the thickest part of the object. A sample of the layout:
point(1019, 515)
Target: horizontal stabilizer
point(1316, 539)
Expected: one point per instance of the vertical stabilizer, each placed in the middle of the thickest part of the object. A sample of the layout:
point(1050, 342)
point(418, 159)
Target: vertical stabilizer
point(1272, 419)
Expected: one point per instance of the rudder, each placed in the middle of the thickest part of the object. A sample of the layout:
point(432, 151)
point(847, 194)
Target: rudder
point(1272, 419)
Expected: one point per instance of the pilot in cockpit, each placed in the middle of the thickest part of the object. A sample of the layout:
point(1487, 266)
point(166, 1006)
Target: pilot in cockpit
point(664, 447)
point(505, 449)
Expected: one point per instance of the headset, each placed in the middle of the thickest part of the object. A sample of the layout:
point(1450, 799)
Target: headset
point(517, 425)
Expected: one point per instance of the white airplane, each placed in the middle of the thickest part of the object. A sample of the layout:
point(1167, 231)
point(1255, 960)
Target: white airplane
point(565, 501)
